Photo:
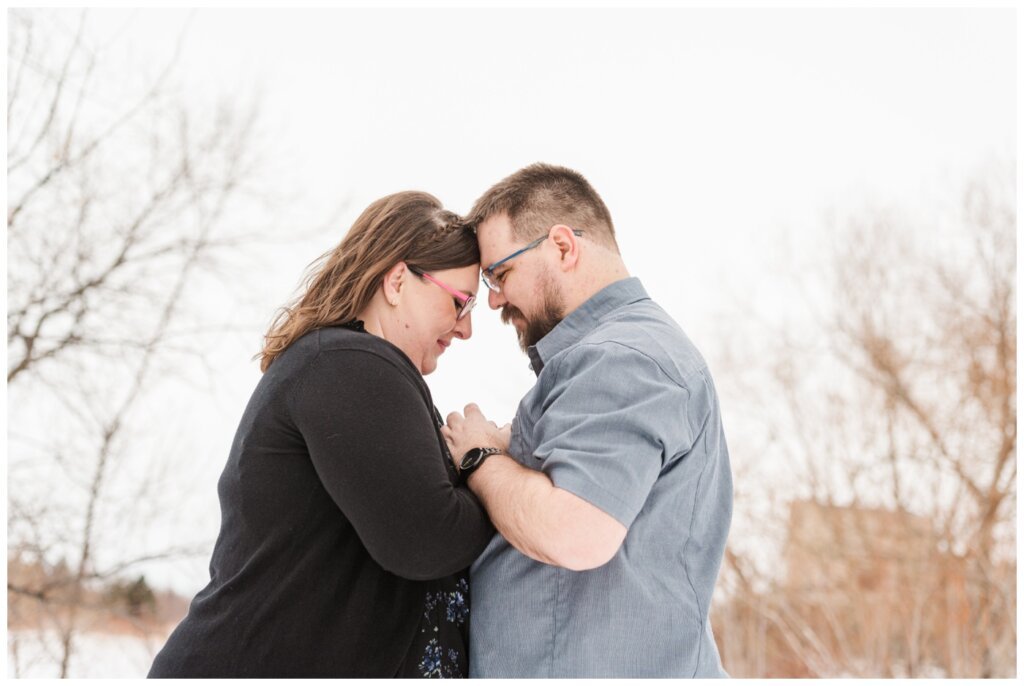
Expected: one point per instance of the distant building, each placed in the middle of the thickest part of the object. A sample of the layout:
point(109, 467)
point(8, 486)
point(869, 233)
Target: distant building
point(832, 548)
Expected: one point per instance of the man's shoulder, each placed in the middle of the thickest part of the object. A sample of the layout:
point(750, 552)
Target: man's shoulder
point(645, 330)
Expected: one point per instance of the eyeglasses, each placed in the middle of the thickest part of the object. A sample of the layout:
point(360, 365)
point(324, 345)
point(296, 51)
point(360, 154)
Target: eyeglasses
point(493, 281)
point(463, 303)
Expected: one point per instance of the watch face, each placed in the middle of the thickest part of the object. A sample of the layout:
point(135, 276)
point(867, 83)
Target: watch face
point(471, 458)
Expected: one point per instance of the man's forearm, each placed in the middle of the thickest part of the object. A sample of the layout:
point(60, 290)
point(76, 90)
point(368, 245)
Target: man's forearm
point(541, 521)
point(515, 498)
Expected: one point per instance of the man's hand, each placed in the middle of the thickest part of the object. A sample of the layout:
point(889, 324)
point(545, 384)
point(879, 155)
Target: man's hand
point(473, 430)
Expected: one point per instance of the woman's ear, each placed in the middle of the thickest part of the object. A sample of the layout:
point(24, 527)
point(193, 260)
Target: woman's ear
point(394, 281)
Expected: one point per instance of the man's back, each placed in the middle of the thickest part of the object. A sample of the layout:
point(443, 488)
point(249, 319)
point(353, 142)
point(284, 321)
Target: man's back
point(624, 415)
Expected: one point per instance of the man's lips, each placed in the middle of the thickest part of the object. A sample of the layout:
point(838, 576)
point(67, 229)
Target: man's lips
point(442, 344)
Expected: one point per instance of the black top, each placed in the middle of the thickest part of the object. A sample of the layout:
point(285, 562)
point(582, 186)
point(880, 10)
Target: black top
point(343, 540)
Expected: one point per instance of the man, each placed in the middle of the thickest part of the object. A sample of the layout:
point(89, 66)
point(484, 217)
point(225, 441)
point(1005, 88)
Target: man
point(611, 491)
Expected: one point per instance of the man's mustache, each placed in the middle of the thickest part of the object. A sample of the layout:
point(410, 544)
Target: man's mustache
point(508, 311)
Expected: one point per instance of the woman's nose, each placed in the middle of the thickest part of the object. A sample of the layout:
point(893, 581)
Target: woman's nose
point(464, 327)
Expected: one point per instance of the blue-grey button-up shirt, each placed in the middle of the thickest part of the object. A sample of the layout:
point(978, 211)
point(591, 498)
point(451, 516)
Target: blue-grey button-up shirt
point(624, 415)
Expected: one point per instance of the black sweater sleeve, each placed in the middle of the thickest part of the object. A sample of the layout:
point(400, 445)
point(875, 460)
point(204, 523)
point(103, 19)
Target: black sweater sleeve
point(373, 442)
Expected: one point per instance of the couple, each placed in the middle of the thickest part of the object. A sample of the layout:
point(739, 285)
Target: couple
point(356, 523)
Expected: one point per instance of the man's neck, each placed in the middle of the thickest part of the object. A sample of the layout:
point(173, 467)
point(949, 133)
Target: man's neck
point(610, 272)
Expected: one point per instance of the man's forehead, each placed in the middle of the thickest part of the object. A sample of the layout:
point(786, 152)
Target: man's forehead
point(495, 237)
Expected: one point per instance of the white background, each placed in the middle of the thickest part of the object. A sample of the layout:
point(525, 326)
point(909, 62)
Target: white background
point(719, 139)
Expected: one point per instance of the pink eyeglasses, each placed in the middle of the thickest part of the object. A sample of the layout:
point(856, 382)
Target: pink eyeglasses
point(463, 303)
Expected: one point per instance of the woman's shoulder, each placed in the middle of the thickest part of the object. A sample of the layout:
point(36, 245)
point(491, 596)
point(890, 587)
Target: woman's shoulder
point(364, 345)
point(342, 347)
point(339, 363)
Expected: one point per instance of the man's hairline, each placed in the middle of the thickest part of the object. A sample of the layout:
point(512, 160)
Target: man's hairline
point(477, 223)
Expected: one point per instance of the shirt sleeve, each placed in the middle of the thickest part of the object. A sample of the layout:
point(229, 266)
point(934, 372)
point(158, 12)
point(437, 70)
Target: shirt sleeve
point(374, 445)
point(610, 424)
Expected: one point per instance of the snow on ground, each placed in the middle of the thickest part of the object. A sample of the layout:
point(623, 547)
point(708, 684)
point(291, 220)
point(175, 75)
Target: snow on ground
point(36, 654)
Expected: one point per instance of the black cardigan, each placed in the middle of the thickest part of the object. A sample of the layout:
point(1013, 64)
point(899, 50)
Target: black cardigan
point(337, 505)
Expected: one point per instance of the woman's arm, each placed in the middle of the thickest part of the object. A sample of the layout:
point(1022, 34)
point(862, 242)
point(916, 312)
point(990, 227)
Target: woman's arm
point(373, 443)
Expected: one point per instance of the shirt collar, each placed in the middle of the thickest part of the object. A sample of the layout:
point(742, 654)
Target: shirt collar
point(584, 318)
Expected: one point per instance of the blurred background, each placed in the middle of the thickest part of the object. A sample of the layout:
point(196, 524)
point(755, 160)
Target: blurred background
point(825, 200)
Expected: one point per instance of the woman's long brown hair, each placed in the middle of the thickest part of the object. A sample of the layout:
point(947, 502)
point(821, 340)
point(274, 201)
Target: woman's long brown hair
point(410, 226)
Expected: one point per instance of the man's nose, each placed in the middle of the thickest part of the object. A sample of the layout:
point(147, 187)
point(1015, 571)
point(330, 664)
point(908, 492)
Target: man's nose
point(495, 300)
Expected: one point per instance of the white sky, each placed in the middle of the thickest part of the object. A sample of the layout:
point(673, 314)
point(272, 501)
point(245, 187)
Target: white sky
point(709, 133)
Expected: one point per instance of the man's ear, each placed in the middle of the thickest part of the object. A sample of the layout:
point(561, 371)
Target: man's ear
point(568, 245)
point(394, 281)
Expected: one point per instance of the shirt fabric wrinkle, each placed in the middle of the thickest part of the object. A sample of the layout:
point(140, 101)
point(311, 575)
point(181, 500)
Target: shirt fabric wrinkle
point(621, 395)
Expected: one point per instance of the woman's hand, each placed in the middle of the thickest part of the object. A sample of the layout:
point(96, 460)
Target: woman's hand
point(473, 430)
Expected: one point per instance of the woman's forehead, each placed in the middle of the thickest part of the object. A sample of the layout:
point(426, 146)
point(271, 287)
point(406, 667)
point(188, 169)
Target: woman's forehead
point(466, 279)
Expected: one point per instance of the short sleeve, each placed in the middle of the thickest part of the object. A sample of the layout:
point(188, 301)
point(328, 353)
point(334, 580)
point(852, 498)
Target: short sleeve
point(608, 425)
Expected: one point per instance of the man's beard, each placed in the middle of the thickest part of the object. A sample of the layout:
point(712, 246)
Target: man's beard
point(552, 311)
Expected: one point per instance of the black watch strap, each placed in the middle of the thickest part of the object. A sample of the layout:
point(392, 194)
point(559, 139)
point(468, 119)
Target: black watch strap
point(472, 460)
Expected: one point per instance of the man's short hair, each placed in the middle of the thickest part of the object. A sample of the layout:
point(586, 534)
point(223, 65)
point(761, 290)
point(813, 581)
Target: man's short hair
point(537, 197)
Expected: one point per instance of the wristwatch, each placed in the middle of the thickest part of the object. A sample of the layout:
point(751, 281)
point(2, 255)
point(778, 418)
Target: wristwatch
point(472, 460)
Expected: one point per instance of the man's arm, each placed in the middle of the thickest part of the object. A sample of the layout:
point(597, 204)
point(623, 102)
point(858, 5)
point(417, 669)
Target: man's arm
point(541, 521)
point(612, 419)
point(546, 523)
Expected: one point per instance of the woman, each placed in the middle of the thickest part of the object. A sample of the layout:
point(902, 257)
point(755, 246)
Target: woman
point(344, 541)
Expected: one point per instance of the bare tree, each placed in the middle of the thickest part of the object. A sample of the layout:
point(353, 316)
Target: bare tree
point(935, 347)
point(118, 205)
point(895, 415)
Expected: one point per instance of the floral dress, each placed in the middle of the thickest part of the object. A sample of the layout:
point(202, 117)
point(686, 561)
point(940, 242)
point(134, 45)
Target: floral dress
point(439, 649)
